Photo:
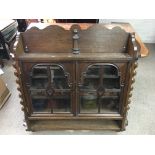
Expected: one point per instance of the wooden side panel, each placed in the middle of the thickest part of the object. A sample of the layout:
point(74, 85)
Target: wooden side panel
point(133, 46)
point(20, 88)
point(130, 79)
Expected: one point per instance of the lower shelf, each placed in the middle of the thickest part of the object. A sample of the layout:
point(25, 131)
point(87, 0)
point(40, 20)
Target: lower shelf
point(75, 125)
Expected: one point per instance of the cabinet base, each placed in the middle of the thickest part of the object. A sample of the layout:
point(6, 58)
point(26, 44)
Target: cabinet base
point(75, 125)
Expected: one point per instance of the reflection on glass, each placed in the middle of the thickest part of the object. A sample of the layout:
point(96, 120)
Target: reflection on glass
point(59, 80)
point(55, 105)
point(90, 83)
point(109, 70)
point(93, 71)
point(108, 105)
point(39, 83)
point(40, 72)
point(60, 83)
point(111, 83)
point(49, 89)
point(88, 104)
point(60, 105)
point(40, 105)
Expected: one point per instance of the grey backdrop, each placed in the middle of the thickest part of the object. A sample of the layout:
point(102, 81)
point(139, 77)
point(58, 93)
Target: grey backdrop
point(144, 27)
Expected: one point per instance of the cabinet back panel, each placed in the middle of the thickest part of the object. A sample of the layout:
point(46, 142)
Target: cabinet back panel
point(96, 38)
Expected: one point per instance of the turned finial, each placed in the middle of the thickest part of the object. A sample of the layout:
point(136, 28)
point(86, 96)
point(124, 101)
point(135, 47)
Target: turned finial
point(76, 37)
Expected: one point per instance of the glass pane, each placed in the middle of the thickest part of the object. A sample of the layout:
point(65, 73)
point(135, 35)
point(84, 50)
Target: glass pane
point(102, 93)
point(93, 70)
point(60, 104)
point(88, 104)
point(58, 71)
point(55, 105)
point(40, 71)
point(49, 89)
point(109, 70)
point(61, 83)
point(58, 77)
point(90, 83)
point(41, 105)
point(111, 83)
point(38, 93)
point(108, 105)
point(39, 83)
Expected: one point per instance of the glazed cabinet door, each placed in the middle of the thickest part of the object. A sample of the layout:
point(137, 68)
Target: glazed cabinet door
point(100, 88)
point(49, 87)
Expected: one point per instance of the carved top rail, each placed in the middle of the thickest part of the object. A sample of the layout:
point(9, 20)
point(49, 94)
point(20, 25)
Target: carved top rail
point(96, 38)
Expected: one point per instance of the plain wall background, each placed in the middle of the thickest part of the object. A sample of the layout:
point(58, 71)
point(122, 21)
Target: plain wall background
point(144, 27)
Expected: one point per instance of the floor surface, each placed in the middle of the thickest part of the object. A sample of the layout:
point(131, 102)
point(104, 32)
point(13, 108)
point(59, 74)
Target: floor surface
point(141, 115)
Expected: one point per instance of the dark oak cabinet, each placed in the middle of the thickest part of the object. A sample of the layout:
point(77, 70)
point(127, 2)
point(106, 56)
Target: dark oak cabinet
point(75, 79)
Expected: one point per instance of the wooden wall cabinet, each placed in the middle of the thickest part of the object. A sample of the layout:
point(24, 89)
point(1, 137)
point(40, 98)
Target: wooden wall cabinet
point(77, 79)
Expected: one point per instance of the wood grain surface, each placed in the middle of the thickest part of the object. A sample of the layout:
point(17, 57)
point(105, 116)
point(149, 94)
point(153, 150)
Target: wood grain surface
point(126, 26)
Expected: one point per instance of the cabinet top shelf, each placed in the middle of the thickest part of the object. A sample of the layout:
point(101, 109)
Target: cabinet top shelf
point(72, 57)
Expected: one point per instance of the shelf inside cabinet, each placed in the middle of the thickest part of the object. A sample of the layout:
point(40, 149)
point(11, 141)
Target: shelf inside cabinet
point(48, 97)
point(37, 89)
point(111, 97)
point(44, 89)
point(110, 76)
point(39, 97)
point(39, 76)
point(105, 95)
point(59, 77)
point(113, 90)
point(62, 90)
point(92, 76)
point(106, 90)
point(105, 76)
